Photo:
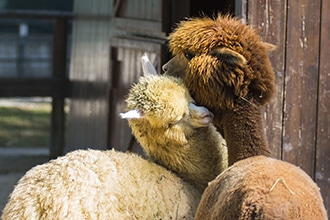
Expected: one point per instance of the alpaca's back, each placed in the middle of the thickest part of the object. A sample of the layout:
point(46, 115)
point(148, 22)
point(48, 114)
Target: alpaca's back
point(262, 188)
point(90, 184)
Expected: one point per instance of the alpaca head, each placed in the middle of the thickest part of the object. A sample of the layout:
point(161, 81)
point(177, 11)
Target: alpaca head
point(221, 60)
point(163, 103)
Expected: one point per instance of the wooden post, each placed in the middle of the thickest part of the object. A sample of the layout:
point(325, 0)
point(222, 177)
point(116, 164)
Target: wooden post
point(59, 71)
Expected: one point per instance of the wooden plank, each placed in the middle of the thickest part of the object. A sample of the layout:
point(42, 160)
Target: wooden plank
point(39, 87)
point(269, 18)
point(87, 122)
point(130, 53)
point(59, 71)
point(300, 92)
point(152, 45)
point(141, 9)
point(34, 14)
point(142, 27)
point(322, 165)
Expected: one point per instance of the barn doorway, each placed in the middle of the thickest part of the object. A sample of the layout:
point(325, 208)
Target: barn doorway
point(211, 8)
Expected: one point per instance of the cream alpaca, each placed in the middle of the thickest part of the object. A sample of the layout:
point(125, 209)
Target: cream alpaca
point(92, 184)
point(183, 140)
point(112, 185)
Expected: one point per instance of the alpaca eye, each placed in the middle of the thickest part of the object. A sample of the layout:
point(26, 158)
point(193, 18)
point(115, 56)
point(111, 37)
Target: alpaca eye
point(189, 56)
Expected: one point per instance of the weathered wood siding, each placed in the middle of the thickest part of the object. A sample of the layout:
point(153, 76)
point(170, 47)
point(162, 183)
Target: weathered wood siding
point(298, 121)
point(89, 71)
point(322, 158)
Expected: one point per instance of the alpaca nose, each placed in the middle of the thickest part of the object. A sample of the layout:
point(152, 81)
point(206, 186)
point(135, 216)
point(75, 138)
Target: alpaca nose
point(200, 116)
point(176, 66)
point(165, 67)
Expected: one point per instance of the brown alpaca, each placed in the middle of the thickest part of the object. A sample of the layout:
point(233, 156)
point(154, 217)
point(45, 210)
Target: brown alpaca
point(262, 188)
point(226, 68)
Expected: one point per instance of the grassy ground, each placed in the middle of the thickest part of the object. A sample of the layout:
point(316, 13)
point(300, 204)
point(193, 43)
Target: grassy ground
point(25, 125)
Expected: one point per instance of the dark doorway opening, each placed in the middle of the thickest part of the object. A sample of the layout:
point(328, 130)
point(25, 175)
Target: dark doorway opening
point(211, 8)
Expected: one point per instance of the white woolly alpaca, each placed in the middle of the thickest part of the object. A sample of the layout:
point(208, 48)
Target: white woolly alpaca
point(91, 184)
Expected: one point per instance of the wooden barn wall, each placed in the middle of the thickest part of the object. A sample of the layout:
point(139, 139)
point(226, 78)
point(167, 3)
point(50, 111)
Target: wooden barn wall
point(298, 120)
point(89, 72)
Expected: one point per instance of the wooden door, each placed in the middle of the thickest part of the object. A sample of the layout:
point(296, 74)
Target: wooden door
point(298, 121)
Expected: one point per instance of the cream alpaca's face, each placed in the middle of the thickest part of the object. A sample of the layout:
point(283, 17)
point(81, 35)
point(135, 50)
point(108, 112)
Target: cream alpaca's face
point(165, 103)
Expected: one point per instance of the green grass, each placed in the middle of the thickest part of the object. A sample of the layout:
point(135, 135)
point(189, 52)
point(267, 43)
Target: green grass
point(27, 126)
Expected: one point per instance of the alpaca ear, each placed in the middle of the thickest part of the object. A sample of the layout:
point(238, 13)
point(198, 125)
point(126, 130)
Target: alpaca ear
point(147, 67)
point(228, 56)
point(268, 46)
point(132, 114)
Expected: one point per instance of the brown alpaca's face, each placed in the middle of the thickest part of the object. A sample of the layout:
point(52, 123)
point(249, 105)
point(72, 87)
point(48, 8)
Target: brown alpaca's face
point(220, 61)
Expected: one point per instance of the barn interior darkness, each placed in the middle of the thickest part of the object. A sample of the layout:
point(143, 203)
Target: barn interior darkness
point(211, 8)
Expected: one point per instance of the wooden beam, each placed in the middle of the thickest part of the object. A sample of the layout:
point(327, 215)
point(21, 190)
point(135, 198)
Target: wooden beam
point(151, 28)
point(59, 72)
point(35, 87)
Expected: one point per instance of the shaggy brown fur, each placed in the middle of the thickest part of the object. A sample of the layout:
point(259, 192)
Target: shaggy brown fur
point(228, 61)
point(226, 68)
point(262, 188)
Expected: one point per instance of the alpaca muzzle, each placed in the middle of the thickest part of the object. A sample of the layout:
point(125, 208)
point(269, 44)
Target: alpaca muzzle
point(200, 115)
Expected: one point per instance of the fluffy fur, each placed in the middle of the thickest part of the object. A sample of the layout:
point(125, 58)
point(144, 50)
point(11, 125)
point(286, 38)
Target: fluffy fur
point(91, 184)
point(184, 141)
point(226, 68)
point(262, 188)
point(227, 61)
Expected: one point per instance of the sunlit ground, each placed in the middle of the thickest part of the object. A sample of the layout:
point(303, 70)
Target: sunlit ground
point(25, 123)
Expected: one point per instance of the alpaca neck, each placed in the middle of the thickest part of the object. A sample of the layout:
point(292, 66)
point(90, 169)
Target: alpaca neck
point(244, 132)
point(196, 159)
